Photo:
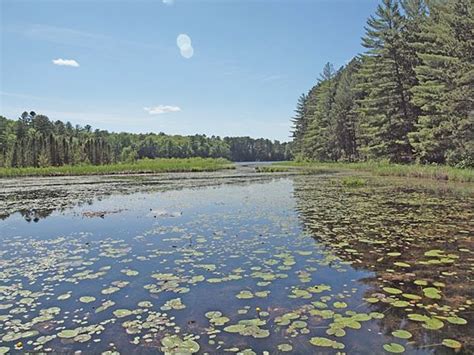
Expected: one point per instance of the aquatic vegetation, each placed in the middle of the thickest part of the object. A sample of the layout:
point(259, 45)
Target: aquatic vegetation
point(325, 342)
point(173, 304)
point(437, 172)
point(293, 265)
point(173, 344)
point(285, 347)
point(394, 348)
point(87, 299)
point(120, 313)
point(353, 182)
point(249, 327)
point(140, 166)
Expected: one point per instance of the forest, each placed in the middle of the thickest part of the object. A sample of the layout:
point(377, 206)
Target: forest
point(407, 99)
point(35, 141)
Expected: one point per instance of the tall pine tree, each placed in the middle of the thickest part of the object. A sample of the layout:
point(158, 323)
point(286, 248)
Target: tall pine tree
point(445, 90)
point(387, 113)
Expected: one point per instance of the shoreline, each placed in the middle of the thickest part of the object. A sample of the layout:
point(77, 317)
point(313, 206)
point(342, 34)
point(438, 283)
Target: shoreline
point(432, 172)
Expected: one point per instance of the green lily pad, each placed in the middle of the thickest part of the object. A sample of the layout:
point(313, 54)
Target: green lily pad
point(110, 290)
point(433, 323)
point(285, 347)
point(325, 342)
point(456, 320)
point(394, 253)
point(83, 338)
point(392, 290)
point(173, 344)
point(418, 317)
point(401, 264)
point(432, 292)
point(320, 341)
point(400, 304)
point(394, 348)
point(213, 314)
point(402, 334)
point(451, 343)
point(68, 333)
point(87, 299)
point(121, 313)
point(244, 295)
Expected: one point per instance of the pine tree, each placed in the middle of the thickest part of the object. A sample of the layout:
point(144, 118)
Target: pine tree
point(444, 133)
point(300, 123)
point(387, 114)
point(318, 136)
point(344, 114)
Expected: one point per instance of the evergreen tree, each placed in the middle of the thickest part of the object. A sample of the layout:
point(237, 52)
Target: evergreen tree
point(299, 123)
point(445, 91)
point(386, 74)
point(345, 114)
point(318, 136)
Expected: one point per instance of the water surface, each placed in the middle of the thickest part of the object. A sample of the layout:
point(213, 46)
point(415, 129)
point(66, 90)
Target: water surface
point(274, 263)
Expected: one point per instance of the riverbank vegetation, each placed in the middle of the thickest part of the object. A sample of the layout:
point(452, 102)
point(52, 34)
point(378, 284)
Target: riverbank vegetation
point(35, 141)
point(139, 167)
point(407, 99)
point(436, 172)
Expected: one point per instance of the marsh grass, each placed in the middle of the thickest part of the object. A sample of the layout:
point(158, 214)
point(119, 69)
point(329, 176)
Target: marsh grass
point(271, 169)
point(437, 172)
point(139, 167)
point(351, 181)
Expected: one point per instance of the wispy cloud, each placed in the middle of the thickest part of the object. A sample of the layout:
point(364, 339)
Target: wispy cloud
point(160, 109)
point(272, 78)
point(78, 38)
point(168, 2)
point(66, 62)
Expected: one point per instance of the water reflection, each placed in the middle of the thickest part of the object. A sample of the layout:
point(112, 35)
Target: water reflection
point(418, 242)
point(301, 264)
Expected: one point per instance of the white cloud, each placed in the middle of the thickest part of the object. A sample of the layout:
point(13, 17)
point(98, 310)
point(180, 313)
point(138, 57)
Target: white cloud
point(168, 2)
point(160, 109)
point(66, 62)
point(272, 78)
point(183, 41)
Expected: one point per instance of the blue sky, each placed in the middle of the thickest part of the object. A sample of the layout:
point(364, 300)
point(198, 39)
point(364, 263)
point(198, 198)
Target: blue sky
point(116, 64)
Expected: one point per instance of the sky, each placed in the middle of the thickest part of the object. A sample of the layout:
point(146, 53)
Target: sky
point(214, 67)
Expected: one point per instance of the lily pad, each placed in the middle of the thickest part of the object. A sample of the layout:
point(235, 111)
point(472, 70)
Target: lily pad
point(87, 299)
point(285, 347)
point(402, 334)
point(121, 313)
point(451, 343)
point(68, 333)
point(394, 348)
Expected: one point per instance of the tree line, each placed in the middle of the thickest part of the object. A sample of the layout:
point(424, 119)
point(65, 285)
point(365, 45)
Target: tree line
point(35, 141)
point(408, 98)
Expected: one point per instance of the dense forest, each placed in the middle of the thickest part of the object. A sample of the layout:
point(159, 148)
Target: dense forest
point(408, 98)
point(35, 141)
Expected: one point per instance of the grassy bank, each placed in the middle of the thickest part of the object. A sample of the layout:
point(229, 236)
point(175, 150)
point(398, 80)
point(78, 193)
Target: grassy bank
point(386, 169)
point(138, 167)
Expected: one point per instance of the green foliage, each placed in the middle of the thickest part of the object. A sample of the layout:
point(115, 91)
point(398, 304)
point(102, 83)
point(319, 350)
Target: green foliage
point(384, 168)
point(353, 182)
point(141, 166)
point(408, 98)
point(271, 169)
point(35, 141)
point(386, 112)
point(445, 128)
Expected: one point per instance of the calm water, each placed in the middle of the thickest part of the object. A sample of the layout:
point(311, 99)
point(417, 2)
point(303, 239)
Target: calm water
point(300, 264)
